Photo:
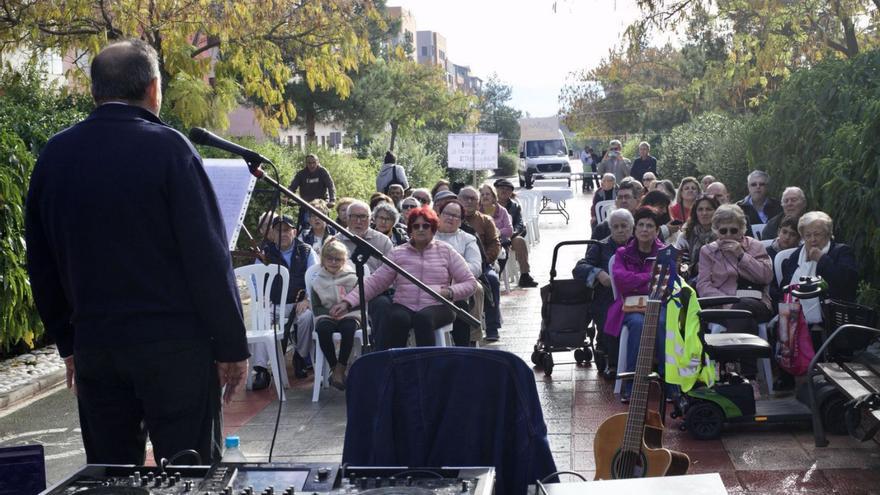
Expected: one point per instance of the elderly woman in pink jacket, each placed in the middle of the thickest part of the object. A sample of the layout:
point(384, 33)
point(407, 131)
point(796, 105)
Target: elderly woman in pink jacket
point(737, 265)
point(433, 262)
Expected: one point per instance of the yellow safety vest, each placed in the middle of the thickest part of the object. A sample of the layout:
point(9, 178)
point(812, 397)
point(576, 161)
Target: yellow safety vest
point(685, 363)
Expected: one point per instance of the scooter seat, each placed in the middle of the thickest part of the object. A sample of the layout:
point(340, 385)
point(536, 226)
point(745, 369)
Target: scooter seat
point(727, 347)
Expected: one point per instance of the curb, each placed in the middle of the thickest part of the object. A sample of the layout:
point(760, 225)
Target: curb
point(37, 387)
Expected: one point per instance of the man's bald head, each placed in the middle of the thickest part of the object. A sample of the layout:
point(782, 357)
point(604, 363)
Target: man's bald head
point(124, 71)
point(718, 191)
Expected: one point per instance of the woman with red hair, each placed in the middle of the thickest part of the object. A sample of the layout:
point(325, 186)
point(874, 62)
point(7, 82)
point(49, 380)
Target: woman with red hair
point(433, 262)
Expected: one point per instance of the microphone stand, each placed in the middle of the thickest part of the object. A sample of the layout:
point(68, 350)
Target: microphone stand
point(363, 251)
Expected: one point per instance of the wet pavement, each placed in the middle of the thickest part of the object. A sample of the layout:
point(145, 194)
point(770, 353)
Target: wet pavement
point(575, 400)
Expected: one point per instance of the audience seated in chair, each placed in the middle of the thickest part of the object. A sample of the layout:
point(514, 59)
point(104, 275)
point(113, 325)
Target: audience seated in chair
point(593, 270)
point(387, 221)
point(335, 276)
point(794, 204)
point(482, 226)
point(688, 191)
point(358, 215)
point(281, 247)
point(696, 233)
point(490, 205)
point(737, 265)
point(629, 195)
point(449, 231)
point(433, 262)
point(317, 233)
point(632, 277)
point(758, 207)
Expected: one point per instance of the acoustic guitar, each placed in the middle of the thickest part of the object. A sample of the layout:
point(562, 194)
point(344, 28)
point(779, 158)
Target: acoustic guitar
point(629, 445)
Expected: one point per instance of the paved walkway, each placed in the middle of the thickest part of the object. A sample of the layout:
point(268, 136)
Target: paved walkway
point(575, 401)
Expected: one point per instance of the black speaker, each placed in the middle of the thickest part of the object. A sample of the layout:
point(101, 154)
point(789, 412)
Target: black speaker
point(22, 470)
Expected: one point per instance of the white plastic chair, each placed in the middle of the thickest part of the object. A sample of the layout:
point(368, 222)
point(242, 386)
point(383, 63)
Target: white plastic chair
point(530, 204)
point(777, 263)
point(603, 208)
point(259, 279)
point(767, 242)
point(510, 273)
point(319, 361)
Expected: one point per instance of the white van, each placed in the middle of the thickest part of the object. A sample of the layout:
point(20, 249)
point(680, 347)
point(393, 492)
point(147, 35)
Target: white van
point(543, 153)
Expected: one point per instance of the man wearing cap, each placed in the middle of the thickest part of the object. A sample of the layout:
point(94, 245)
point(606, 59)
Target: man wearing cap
point(282, 247)
point(517, 240)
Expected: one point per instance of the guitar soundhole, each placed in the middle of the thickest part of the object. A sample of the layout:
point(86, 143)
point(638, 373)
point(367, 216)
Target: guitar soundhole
point(628, 464)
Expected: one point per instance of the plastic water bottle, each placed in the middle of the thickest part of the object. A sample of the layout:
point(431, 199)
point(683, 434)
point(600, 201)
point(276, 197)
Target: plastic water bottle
point(232, 453)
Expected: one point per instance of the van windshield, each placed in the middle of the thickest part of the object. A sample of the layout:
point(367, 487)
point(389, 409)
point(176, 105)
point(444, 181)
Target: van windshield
point(549, 147)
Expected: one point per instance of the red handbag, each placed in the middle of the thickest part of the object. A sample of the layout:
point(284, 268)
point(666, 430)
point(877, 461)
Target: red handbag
point(794, 350)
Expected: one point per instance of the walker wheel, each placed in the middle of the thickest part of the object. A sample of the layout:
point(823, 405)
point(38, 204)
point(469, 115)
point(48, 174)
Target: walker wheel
point(536, 358)
point(547, 362)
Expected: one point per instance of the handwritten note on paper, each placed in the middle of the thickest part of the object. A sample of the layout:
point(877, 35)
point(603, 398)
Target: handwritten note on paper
point(233, 185)
point(473, 151)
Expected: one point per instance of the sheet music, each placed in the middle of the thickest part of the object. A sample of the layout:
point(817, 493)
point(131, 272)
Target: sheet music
point(233, 185)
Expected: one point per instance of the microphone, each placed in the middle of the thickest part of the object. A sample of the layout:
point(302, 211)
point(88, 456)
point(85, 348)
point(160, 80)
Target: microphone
point(207, 138)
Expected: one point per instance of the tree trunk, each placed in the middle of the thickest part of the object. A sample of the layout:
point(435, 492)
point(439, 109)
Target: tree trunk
point(393, 135)
point(311, 117)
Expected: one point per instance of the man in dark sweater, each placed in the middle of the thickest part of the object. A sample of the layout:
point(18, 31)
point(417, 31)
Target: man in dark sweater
point(130, 270)
point(758, 207)
point(313, 182)
point(644, 163)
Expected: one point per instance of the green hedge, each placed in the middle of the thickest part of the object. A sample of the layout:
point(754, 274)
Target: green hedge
point(821, 131)
point(31, 111)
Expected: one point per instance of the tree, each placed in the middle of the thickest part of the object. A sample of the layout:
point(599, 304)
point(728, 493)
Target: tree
point(405, 96)
point(496, 116)
point(211, 52)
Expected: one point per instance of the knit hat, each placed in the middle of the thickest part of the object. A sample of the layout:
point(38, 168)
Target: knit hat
point(440, 196)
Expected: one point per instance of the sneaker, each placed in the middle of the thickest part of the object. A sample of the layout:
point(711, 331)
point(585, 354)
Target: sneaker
point(299, 367)
point(262, 378)
point(492, 335)
point(526, 280)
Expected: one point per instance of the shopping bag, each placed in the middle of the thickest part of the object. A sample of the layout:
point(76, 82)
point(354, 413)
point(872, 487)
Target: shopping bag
point(794, 349)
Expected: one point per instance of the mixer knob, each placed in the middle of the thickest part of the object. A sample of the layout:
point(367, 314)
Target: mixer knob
point(323, 473)
point(157, 482)
point(409, 481)
point(378, 481)
point(177, 476)
point(250, 490)
point(187, 486)
point(290, 491)
point(363, 482)
point(227, 490)
point(132, 481)
point(465, 486)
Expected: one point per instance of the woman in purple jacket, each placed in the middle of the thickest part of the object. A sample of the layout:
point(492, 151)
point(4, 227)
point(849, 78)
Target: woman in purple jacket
point(631, 272)
point(737, 265)
point(433, 262)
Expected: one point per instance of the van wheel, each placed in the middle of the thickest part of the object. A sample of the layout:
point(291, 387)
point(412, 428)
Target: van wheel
point(528, 184)
point(522, 182)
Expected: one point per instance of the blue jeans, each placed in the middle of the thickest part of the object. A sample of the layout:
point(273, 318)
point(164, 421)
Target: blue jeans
point(634, 322)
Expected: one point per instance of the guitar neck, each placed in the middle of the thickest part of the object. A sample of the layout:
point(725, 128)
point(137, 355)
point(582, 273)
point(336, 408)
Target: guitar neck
point(638, 404)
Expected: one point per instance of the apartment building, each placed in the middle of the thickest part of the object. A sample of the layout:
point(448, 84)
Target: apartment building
point(407, 36)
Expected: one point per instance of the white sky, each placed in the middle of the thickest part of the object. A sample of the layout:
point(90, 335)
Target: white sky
point(531, 48)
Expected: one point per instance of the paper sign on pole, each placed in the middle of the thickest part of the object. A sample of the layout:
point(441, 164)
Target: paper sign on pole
point(233, 185)
point(473, 151)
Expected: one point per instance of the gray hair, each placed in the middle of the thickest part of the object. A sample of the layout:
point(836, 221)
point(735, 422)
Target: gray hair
point(729, 213)
point(645, 144)
point(759, 173)
point(621, 214)
point(609, 175)
point(615, 142)
point(469, 188)
point(357, 203)
point(820, 217)
point(123, 71)
point(410, 199)
point(387, 209)
point(796, 190)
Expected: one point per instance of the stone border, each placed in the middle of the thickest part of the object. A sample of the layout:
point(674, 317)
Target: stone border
point(30, 375)
point(38, 386)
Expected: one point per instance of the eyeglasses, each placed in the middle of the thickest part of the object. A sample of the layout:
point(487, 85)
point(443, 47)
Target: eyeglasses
point(758, 184)
point(467, 199)
point(384, 219)
point(423, 201)
point(421, 226)
point(362, 216)
point(450, 216)
point(408, 207)
point(731, 231)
